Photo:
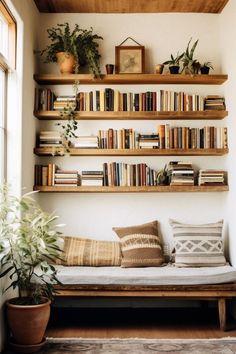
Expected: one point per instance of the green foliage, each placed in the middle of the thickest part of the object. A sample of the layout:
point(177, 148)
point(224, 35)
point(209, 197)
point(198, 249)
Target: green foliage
point(207, 64)
point(28, 246)
point(71, 125)
point(174, 61)
point(82, 43)
point(190, 65)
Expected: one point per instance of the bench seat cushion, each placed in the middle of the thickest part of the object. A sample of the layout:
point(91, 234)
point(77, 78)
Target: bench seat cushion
point(166, 275)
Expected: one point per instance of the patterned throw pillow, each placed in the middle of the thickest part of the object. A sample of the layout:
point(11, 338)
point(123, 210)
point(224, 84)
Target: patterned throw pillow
point(198, 245)
point(87, 252)
point(140, 245)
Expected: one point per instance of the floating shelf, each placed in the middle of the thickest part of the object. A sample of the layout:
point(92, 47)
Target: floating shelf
point(143, 189)
point(134, 79)
point(47, 151)
point(188, 115)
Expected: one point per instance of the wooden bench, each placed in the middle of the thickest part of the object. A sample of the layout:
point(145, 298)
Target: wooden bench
point(219, 292)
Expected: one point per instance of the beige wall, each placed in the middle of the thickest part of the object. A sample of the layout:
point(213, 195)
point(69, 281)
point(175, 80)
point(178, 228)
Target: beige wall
point(161, 34)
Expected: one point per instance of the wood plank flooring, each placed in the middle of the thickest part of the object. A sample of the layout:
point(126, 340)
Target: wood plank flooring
point(142, 323)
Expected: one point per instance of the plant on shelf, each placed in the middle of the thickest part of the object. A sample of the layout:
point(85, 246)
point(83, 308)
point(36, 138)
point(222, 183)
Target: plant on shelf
point(87, 48)
point(190, 65)
point(174, 63)
point(162, 177)
point(205, 67)
point(28, 248)
point(78, 47)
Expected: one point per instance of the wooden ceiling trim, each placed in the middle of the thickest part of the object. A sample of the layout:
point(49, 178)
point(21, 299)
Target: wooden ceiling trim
point(130, 6)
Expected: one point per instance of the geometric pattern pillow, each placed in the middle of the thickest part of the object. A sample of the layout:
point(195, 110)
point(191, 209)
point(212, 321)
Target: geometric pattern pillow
point(140, 245)
point(88, 252)
point(198, 245)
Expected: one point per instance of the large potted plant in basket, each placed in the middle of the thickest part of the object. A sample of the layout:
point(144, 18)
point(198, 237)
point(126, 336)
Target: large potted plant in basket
point(72, 49)
point(28, 247)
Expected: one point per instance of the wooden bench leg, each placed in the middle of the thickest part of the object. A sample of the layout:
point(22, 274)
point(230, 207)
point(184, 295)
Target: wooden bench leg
point(222, 313)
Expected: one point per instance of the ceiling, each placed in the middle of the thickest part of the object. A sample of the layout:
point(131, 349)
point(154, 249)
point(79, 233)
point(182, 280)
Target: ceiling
point(130, 6)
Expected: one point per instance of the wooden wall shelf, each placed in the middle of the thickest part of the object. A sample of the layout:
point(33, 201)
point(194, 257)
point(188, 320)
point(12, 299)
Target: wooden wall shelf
point(143, 189)
point(47, 151)
point(187, 115)
point(133, 79)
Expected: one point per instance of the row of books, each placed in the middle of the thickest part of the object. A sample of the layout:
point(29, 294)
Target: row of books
point(208, 137)
point(51, 175)
point(166, 137)
point(114, 100)
point(178, 173)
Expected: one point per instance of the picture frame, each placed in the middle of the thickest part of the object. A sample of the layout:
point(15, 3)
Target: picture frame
point(130, 59)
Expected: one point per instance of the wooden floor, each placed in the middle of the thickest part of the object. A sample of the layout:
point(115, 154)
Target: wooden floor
point(142, 323)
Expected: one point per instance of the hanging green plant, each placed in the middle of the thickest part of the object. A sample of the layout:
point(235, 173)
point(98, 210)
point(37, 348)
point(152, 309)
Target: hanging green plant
point(71, 125)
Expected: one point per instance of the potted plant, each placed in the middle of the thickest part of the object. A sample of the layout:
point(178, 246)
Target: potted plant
point(190, 65)
point(205, 67)
point(174, 63)
point(28, 247)
point(75, 47)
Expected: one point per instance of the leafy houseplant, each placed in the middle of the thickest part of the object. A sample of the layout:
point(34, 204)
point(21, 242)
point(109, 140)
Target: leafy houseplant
point(28, 247)
point(205, 67)
point(190, 65)
point(81, 43)
point(174, 63)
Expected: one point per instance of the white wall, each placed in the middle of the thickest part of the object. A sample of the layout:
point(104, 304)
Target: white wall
point(228, 33)
point(94, 215)
point(21, 125)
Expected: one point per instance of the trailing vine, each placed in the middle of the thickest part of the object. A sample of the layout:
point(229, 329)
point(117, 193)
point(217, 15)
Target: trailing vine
point(70, 126)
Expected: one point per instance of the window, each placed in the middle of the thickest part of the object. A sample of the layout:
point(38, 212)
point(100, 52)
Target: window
point(7, 63)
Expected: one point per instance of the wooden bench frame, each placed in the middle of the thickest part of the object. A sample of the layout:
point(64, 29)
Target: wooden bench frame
point(218, 292)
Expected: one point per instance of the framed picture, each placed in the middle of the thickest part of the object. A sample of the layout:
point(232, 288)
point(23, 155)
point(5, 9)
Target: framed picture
point(129, 59)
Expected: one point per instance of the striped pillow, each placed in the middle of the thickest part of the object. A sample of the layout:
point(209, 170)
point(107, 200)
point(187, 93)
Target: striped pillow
point(87, 252)
point(140, 245)
point(198, 245)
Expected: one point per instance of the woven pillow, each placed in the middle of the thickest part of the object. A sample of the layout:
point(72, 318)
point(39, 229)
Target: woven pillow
point(198, 245)
point(140, 245)
point(87, 252)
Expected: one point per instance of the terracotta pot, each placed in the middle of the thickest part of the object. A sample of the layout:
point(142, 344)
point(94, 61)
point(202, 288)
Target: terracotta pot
point(66, 62)
point(28, 322)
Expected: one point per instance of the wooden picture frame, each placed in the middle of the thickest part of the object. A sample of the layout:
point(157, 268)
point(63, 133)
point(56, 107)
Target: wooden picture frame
point(130, 59)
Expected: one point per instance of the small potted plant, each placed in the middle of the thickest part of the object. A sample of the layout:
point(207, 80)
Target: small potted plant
point(28, 247)
point(174, 63)
point(205, 67)
point(72, 49)
point(190, 65)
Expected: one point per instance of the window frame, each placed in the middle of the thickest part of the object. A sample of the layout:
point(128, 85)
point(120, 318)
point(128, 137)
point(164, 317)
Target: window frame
point(7, 65)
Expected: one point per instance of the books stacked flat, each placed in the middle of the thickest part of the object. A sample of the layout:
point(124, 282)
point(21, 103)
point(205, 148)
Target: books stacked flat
point(211, 177)
point(50, 139)
point(180, 173)
point(214, 102)
point(86, 142)
point(92, 178)
point(64, 101)
point(149, 141)
point(66, 178)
